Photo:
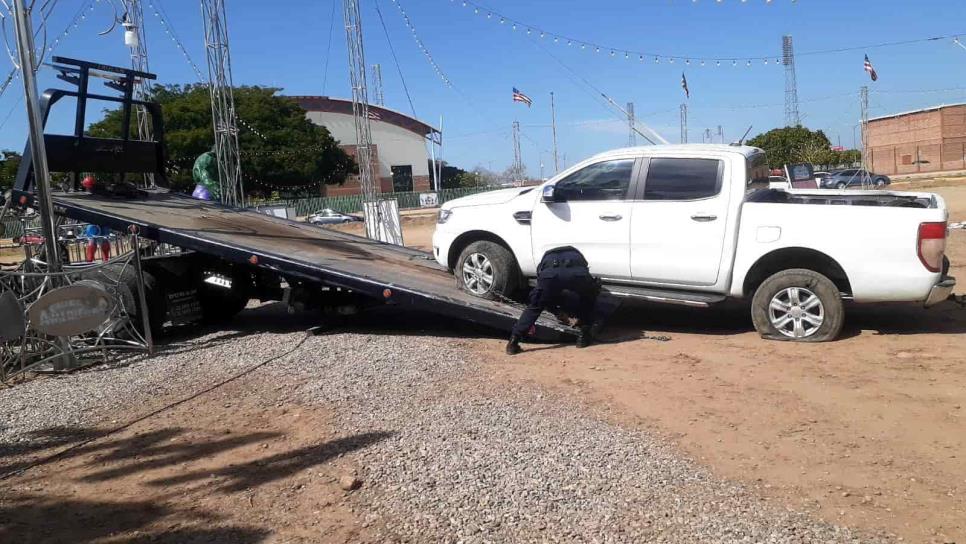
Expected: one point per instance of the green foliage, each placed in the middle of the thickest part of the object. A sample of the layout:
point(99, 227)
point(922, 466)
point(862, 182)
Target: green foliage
point(454, 177)
point(791, 145)
point(8, 169)
point(293, 152)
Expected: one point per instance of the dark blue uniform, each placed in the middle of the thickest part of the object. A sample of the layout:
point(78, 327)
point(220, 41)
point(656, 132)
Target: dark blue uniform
point(561, 270)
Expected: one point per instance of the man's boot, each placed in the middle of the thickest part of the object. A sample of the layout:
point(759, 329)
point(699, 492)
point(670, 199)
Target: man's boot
point(513, 346)
point(586, 336)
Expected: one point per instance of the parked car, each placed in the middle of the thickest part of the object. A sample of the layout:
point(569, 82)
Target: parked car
point(328, 216)
point(677, 224)
point(851, 178)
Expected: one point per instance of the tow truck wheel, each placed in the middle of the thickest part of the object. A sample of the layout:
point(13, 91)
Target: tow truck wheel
point(488, 270)
point(798, 305)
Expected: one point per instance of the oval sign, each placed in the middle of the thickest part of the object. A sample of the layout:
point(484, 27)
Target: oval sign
point(74, 309)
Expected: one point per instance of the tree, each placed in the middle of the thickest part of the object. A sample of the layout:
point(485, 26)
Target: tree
point(289, 151)
point(8, 169)
point(791, 145)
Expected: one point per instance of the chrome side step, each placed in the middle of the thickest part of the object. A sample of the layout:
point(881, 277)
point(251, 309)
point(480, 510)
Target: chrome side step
point(684, 298)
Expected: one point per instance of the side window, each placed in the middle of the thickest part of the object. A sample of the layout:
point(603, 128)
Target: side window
point(682, 179)
point(602, 181)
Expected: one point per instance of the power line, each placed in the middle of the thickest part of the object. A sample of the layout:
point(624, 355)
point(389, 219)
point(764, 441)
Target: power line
point(328, 48)
point(657, 57)
point(395, 59)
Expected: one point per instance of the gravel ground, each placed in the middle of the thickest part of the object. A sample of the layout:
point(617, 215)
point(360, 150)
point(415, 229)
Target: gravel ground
point(468, 460)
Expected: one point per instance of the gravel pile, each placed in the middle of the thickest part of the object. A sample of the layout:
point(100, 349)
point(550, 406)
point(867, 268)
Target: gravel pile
point(467, 460)
point(471, 461)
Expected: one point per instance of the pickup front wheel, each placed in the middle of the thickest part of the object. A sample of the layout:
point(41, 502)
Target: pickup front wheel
point(798, 305)
point(488, 270)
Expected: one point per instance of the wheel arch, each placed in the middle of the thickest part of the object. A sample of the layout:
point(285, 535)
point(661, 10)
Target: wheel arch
point(467, 238)
point(795, 257)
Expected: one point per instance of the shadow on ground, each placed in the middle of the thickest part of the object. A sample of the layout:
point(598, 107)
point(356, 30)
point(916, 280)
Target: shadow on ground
point(27, 519)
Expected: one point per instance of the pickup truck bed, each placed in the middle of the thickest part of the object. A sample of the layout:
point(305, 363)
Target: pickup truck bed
point(395, 274)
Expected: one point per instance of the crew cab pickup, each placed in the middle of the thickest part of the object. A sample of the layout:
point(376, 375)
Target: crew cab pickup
point(697, 224)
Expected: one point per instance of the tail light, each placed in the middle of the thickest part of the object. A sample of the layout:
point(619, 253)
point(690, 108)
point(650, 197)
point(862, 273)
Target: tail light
point(932, 245)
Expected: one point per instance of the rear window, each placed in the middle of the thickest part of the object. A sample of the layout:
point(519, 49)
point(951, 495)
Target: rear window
point(758, 172)
point(682, 179)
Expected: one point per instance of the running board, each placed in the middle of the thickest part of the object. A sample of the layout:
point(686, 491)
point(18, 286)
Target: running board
point(699, 300)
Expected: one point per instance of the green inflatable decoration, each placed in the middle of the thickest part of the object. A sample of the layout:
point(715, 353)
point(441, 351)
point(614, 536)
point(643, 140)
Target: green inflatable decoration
point(205, 174)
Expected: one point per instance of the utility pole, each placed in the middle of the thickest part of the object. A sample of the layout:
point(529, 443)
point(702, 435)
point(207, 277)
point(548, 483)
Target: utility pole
point(553, 127)
point(377, 84)
point(707, 136)
point(721, 134)
point(38, 151)
point(792, 118)
point(632, 135)
point(517, 157)
point(684, 123)
point(864, 105)
point(223, 119)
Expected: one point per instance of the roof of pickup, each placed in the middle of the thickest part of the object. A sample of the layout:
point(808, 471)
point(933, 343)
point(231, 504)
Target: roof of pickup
point(678, 149)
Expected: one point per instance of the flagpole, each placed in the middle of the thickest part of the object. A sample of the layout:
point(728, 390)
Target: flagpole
point(553, 125)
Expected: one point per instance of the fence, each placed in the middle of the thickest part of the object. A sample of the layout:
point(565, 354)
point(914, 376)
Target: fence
point(353, 203)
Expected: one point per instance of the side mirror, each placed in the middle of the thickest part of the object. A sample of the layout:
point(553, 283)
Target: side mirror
point(551, 194)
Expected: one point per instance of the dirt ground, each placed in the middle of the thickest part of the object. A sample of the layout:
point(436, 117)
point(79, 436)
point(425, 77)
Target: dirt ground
point(868, 431)
point(226, 466)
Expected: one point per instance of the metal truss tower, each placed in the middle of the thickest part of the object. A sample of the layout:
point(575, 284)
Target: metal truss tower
point(684, 123)
point(380, 221)
point(377, 85)
point(792, 118)
point(134, 38)
point(517, 157)
point(223, 119)
point(632, 134)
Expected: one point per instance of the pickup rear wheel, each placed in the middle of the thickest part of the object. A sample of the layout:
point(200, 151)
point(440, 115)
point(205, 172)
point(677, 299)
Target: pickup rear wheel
point(798, 305)
point(488, 270)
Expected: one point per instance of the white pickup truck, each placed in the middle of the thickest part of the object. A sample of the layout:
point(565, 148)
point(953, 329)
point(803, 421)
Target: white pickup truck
point(695, 225)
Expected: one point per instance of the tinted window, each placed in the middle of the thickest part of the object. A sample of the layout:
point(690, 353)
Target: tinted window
point(682, 179)
point(602, 181)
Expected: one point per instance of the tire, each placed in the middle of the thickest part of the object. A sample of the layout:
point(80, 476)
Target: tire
point(820, 322)
point(219, 305)
point(840, 185)
point(488, 270)
point(880, 182)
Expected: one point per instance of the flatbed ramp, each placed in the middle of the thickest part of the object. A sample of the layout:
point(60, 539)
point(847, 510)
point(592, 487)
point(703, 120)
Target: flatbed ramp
point(395, 274)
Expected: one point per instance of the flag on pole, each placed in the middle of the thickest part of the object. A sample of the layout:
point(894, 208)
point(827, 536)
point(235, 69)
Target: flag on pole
point(684, 85)
point(869, 68)
point(520, 97)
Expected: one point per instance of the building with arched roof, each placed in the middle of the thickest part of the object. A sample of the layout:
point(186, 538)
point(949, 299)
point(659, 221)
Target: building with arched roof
point(400, 156)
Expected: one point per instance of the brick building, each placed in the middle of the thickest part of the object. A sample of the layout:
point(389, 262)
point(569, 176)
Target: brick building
point(400, 157)
point(927, 140)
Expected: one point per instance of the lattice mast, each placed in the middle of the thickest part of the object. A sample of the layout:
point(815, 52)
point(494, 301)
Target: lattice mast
point(517, 156)
point(223, 118)
point(136, 41)
point(377, 85)
point(631, 131)
point(684, 123)
point(792, 117)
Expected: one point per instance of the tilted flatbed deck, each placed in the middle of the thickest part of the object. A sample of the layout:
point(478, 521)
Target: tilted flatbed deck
point(395, 274)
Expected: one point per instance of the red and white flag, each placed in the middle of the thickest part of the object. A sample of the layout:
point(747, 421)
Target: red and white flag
point(869, 68)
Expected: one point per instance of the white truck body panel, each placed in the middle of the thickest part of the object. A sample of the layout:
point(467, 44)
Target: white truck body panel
point(674, 245)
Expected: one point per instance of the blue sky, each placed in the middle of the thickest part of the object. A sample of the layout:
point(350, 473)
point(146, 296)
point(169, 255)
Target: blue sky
point(284, 44)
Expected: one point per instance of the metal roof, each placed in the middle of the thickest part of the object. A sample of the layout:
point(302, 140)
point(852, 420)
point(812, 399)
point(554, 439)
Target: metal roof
point(923, 110)
point(376, 113)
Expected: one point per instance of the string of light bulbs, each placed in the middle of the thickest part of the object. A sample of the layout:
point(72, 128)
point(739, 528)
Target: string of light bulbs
point(658, 58)
point(421, 45)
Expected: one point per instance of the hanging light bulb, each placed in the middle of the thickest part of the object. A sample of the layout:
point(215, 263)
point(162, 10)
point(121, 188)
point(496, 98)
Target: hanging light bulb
point(687, 61)
point(749, 64)
point(657, 60)
point(717, 63)
point(502, 20)
point(734, 63)
point(627, 55)
point(671, 60)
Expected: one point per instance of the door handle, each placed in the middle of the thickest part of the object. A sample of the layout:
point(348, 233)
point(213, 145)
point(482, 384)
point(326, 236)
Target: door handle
point(703, 217)
point(613, 217)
